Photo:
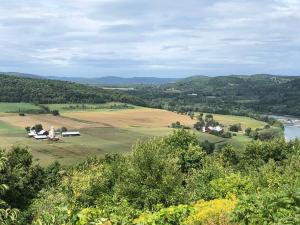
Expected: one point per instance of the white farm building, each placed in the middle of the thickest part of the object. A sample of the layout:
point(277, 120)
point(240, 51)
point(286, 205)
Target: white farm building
point(70, 133)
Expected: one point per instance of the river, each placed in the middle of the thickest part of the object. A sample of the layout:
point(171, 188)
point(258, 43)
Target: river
point(291, 126)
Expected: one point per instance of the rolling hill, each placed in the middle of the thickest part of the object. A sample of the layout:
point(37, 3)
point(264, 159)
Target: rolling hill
point(234, 94)
point(100, 81)
point(33, 90)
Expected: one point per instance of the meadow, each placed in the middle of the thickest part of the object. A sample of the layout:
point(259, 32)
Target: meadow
point(104, 128)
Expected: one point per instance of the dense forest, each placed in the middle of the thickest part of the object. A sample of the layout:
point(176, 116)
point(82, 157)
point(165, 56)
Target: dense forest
point(169, 180)
point(234, 94)
point(22, 89)
point(239, 95)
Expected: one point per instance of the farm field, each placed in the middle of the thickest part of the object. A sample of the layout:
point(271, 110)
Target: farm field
point(103, 130)
point(16, 107)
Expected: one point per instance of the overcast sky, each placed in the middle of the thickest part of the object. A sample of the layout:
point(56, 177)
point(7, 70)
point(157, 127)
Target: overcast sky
point(167, 38)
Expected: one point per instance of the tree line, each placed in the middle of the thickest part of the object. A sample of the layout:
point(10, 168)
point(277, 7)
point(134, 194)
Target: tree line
point(43, 91)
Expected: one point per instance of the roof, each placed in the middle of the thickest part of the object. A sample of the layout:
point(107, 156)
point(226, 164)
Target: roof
point(31, 133)
point(216, 128)
point(40, 136)
point(42, 132)
point(71, 133)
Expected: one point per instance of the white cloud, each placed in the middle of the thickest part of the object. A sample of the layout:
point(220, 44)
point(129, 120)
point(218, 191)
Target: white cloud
point(145, 37)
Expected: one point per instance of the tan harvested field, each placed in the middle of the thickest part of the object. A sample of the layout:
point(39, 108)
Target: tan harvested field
point(46, 120)
point(143, 117)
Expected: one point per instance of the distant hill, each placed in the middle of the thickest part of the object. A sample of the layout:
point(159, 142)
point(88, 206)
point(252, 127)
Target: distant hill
point(118, 81)
point(234, 94)
point(16, 74)
point(20, 88)
point(102, 81)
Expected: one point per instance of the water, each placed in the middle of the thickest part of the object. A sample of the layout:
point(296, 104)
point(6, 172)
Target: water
point(292, 129)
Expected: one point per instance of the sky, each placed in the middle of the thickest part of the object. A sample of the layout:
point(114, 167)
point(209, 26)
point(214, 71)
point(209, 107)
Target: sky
point(163, 38)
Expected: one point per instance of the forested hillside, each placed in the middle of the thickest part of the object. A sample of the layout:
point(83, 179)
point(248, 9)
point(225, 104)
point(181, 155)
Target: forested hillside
point(21, 89)
point(228, 94)
point(240, 95)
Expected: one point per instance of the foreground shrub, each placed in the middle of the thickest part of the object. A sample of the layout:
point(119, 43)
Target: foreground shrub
point(214, 212)
point(269, 208)
point(173, 215)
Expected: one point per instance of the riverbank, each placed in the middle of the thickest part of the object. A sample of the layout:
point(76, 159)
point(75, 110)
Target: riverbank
point(291, 126)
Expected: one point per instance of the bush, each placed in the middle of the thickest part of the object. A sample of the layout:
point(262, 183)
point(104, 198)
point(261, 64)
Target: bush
point(269, 208)
point(55, 113)
point(63, 129)
point(235, 128)
point(248, 131)
point(208, 146)
point(211, 212)
point(174, 215)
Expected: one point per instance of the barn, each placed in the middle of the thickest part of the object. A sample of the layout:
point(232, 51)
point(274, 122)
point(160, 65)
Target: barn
point(70, 133)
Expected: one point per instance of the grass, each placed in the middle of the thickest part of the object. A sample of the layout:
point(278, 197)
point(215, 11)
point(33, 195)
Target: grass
point(16, 107)
point(103, 130)
point(228, 120)
point(92, 142)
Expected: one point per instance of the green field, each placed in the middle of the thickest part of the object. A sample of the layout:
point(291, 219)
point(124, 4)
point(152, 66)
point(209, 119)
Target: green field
point(92, 142)
point(16, 107)
point(95, 139)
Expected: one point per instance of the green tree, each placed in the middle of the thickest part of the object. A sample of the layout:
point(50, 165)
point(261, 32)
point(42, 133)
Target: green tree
point(8, 216)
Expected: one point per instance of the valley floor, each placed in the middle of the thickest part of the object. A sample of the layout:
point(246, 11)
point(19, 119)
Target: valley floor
point(104, 129)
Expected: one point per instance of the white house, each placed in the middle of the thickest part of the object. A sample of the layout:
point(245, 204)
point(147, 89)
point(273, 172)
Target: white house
point(41, 137)
point(210, 128)
point(216, 128)
point(43, 132)
point(31, 133)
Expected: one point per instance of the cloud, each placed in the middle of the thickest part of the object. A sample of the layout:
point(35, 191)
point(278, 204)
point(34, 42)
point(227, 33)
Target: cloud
point(139, 37)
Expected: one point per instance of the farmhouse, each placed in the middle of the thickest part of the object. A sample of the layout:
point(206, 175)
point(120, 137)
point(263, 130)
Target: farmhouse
point(41, 137)
point(43, 132)
point(210, 128)
point(32, 133)
point(70, 133)
point(216, 128)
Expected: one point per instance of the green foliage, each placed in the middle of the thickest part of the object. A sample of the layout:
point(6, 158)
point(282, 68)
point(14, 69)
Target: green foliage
point(153, 177)
point(235, 127)
point(169, 180)
point(208, 146)
point(174, 215)
point(238, 95)
point(248, 131)
point(55, 112)
point(23, 178)
point(229, 156)
point(258, 153)
point(269, 208)
point(8, 216)
point(199, 125)
point(269, 134)
point(233, 184)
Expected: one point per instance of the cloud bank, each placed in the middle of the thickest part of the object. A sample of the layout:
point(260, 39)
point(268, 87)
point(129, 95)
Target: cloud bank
point(141, 38)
